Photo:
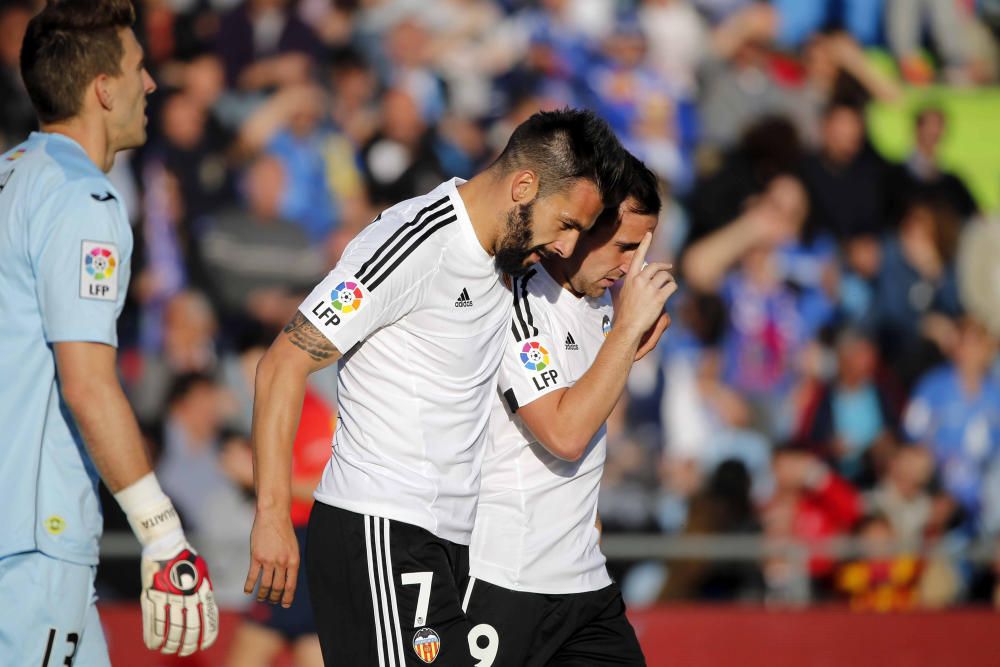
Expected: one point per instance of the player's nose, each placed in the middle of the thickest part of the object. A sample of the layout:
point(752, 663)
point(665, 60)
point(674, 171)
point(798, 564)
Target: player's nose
point(565, 245)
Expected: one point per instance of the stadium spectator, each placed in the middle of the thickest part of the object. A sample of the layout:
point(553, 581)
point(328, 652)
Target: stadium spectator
point(17, 116)
point(851, 421)
point(916, 290)
point(405, 156)
point(813, 504)
point(257, 258)
point(946, 23)
point(955, 412)
point(723, 507)
point(190, 327)
point(845, 177)
point(752, 263)
point(264, 44)
point(923, 176)
point(903, 496)
point(880, 580)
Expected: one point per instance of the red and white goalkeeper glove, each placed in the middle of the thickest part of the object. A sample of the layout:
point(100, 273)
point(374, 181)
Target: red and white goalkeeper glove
point(179, 614)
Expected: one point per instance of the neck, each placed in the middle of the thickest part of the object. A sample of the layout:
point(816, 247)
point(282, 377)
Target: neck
point(91, 135)
point(485, 208)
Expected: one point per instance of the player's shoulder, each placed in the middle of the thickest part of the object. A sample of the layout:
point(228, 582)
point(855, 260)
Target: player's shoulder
point(57, 172)
point(418, 216)
point(412, 234)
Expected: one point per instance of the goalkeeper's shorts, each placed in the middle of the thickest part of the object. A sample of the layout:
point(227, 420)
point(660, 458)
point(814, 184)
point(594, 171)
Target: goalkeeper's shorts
point(49, 614)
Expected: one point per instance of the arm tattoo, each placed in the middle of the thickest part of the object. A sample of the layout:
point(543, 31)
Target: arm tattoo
point(308, 338)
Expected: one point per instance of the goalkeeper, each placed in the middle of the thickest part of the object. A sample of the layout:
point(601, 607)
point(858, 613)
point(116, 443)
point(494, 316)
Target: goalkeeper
point(65, 247)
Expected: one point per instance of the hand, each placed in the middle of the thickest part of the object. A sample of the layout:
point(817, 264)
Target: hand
point(274, 558)
point(652, 336)
point(179, 614)
point(645, 291)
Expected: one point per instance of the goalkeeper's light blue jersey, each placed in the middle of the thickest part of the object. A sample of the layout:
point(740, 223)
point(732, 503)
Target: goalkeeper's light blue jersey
point(65, 250)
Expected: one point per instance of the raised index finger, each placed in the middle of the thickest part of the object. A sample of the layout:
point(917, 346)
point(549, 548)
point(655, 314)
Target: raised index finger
point(639, 258)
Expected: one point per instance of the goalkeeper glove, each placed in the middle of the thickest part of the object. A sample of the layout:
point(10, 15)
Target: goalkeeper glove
point(179, 614)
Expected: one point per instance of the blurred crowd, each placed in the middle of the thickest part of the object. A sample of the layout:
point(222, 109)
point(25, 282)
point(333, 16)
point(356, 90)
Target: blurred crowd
point(821, 378)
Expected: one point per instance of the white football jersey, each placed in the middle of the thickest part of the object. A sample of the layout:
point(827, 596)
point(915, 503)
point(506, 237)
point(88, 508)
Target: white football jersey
point(418, 310)
point(535, 526)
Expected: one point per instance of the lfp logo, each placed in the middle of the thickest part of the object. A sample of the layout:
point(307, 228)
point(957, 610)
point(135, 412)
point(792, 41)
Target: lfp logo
point(347, 297)
point(534, 356)
point(606, 325)
point(100, 263)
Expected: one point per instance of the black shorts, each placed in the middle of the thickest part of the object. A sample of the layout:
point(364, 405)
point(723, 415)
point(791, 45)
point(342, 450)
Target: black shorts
point(385, 593)
point(296, 621)
point(518, 629)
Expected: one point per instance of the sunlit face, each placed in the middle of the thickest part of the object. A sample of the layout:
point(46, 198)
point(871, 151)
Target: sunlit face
point(128, 93)
point(548, 226)
point(604, 254)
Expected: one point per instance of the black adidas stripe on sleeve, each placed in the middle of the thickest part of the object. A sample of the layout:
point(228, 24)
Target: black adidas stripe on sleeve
point(399, 246)
point(523, 324)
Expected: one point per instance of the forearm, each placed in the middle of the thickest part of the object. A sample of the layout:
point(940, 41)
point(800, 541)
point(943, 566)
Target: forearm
point(278, 397)
point(568, 426)
point(707, 261)
point(586, 405)
point(109, 430)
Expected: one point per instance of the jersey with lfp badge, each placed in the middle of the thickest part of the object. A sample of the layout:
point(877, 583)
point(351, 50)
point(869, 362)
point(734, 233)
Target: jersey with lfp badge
point(418, 310)
point(65, 247)
point(535, 528)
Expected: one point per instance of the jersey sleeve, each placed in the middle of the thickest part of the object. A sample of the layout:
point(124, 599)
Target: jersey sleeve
point(530, 367)
point(81, 262)
point(379, 280)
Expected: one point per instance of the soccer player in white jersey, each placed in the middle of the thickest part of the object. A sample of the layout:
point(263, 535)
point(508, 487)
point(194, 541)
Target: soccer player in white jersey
point(416, 313)
point(539, 592)
point(65, 246)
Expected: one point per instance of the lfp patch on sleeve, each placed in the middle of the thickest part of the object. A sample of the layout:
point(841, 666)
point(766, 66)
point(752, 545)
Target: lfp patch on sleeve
point(98, 270)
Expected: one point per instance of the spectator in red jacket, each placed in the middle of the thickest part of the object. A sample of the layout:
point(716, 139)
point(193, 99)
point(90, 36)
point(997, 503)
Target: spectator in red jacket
point(811, 504)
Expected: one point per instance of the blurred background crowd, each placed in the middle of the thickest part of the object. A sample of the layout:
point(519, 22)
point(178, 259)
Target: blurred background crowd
point(823, 161)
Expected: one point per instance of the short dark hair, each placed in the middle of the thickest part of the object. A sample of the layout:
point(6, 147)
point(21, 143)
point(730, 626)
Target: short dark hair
point(640, 185)
point(643, 187)
point(66, 46)
point(182, 385)
point(564, 146)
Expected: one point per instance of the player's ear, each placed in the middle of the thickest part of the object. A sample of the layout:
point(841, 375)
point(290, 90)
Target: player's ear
point(103, 87)
point(523, 186)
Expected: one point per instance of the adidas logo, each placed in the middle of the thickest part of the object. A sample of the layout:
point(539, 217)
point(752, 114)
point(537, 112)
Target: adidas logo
point(570, 343)
point(464, 300)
